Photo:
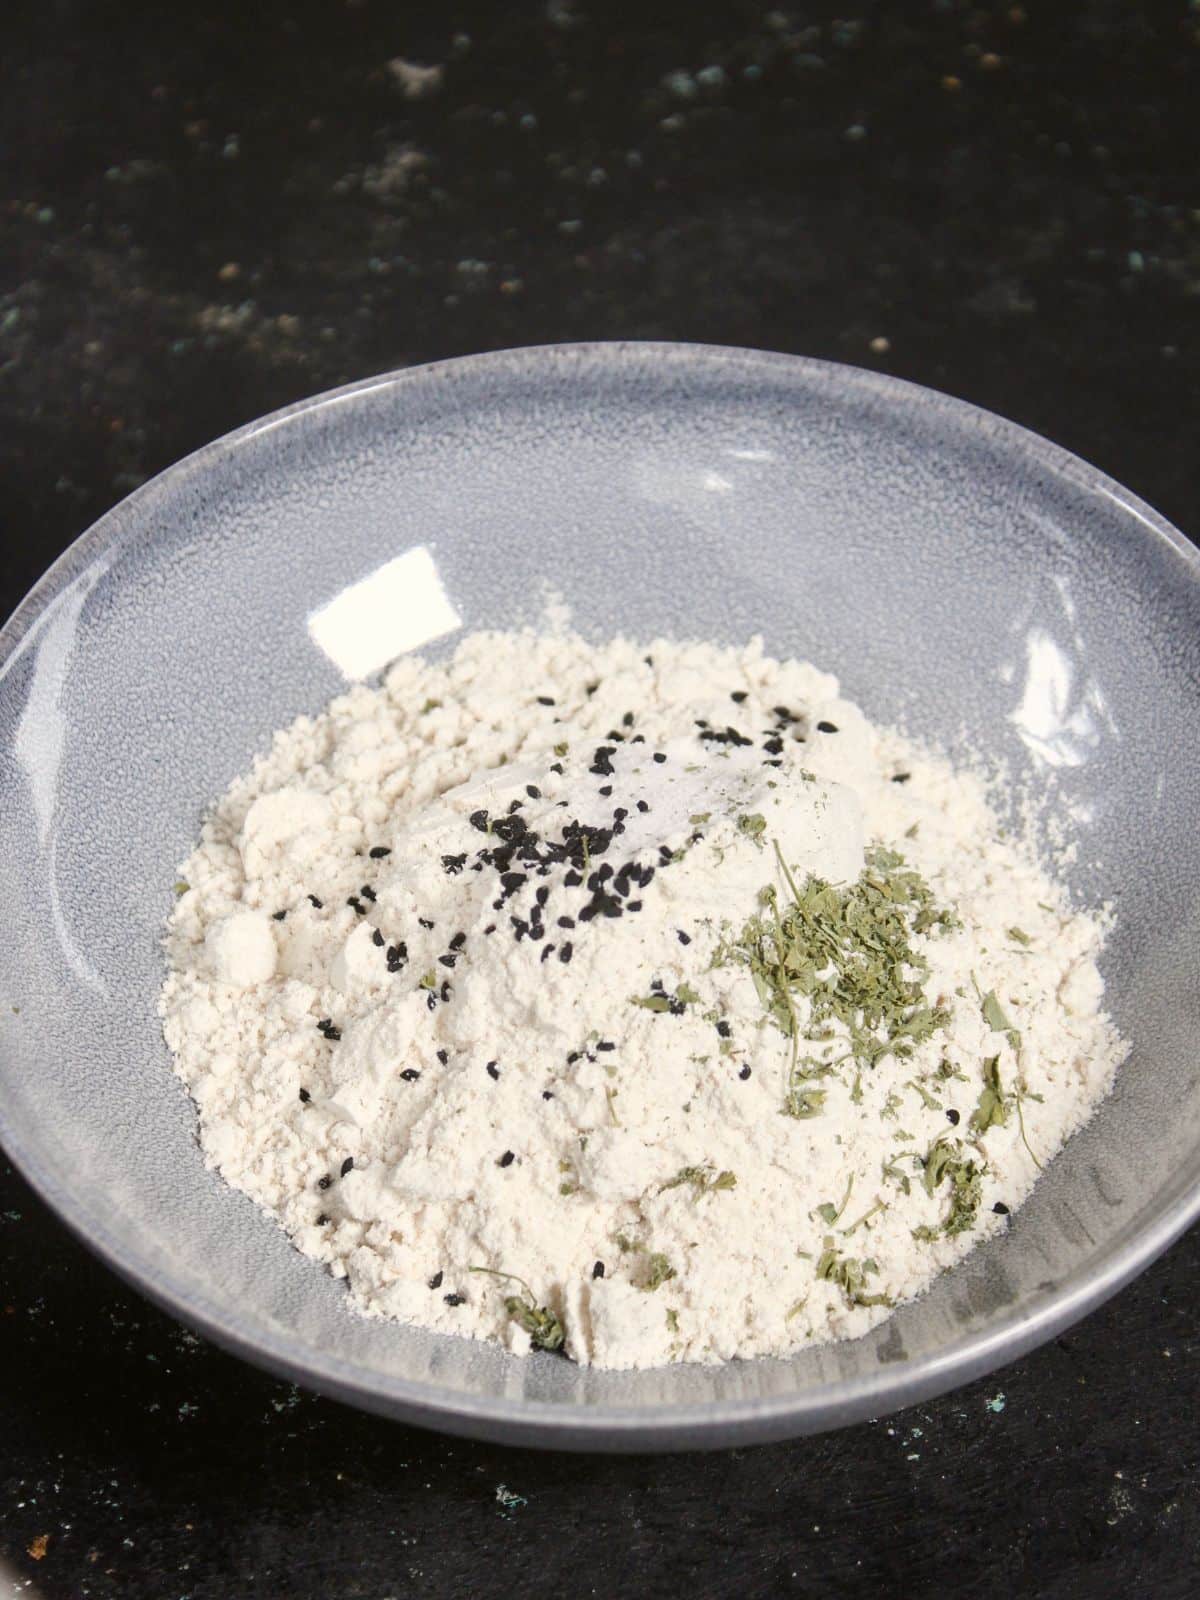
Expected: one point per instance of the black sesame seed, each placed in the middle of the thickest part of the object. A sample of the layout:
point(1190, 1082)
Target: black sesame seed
point(314, 901)
point(547, 952)
point(953, 1117)
point(305, 1096)
point(506, 1160)
point(659, 757)
point(566, 952)
point(827, 727)
point(566, 922)
point(324, 1181)
point(1000, 1209)
point(377, 852)
point(443, 1056)
point(436, 1281)
point(633, 905)
point(454, 1299)
point(598, 1270)
point(410, 1074)
point(744, 1074)
point(605, 1044)
point(347, 1165)
point(545, 700)
point(901, 777)
point(491, 928)
point(684, 938)
point(493, 1070)
point(738, 697)
point(278, 916)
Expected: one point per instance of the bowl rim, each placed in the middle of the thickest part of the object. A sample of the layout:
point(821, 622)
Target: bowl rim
point(556, 1424)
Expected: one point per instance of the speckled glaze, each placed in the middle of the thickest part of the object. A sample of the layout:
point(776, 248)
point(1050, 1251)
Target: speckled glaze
point(961, 575)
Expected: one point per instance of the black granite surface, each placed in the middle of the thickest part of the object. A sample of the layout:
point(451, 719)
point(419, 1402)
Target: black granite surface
point(210, 210)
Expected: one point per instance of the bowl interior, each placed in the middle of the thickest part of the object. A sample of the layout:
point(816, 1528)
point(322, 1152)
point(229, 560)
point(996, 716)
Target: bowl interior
point(962, 577)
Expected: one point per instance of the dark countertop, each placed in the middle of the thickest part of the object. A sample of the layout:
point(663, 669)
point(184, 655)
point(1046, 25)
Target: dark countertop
point(209, 216)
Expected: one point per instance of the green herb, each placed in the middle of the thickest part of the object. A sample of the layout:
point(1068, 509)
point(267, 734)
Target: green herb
point(753, 825)
point(892, 1170)
point(430, 705)
point(947, 1069)
point(687, 995)
point(891, 1106)
point(610, 1095)
point(992, 1110)
point(568, 1188)
point(560, 750)
point(1019, 935)
point(880, 1205)
point(625, 1244)
point(543, 1326)
point(993, 1014)
point(927, 1099)
point(182, 886)
point(658, 1271)
point(911, 833)
point(650, 1002)
point(429, 981)
point(795, 1309)
point(848, 953)
point(850, 1275)
point(701, 1178)
point(943, 1162)
point(828, 1212)
point(698, 817)
point(856, 1088)
point(673, 1319)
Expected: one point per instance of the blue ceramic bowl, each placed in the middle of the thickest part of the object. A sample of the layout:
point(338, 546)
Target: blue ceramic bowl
point(962, 576)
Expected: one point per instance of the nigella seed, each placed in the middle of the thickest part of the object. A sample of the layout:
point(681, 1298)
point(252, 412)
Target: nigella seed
point(305, 1096)
point(566, 922)
point(827, 727)
point(1000, 1209)
point(347, 1165)
point(773, 747)
point(323, 1220)
point(547, 952)
point(953, 1117)
point(312, 899)
point(566, 952)
point(642, 806)
point(278, 916)
point(436, 1281)
point(684, 938)
point(605, 1044)
point(557, 766)
point(545, 700)
point(493, 1070)
point(377, 852)
point(425, 922)
point(725, 1029)
point(507, 1159)
point(491, 928)
point(659, 757)
point(598, 1270)
point(367, 892)
point(458, 941)
point(356, 904)
point(605, 789)
point(738, 697)
point(532, 790)
point(443, 1056)
point(377, 939)
point(410, 1074)
point(454, 1299)
point(901, 777)
point(324, 1181)
point(547, 1094)
point(744, 1074)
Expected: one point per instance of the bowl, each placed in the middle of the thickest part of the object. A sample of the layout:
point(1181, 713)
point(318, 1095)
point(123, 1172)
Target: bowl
point(964, 578)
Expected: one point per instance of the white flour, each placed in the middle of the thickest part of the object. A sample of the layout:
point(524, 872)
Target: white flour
point(460, 981)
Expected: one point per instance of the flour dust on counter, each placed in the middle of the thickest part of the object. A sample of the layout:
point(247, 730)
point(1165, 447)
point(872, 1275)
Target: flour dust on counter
point(640, 1002)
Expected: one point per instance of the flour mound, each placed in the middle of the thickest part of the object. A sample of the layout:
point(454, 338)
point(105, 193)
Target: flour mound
point(538, 962)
